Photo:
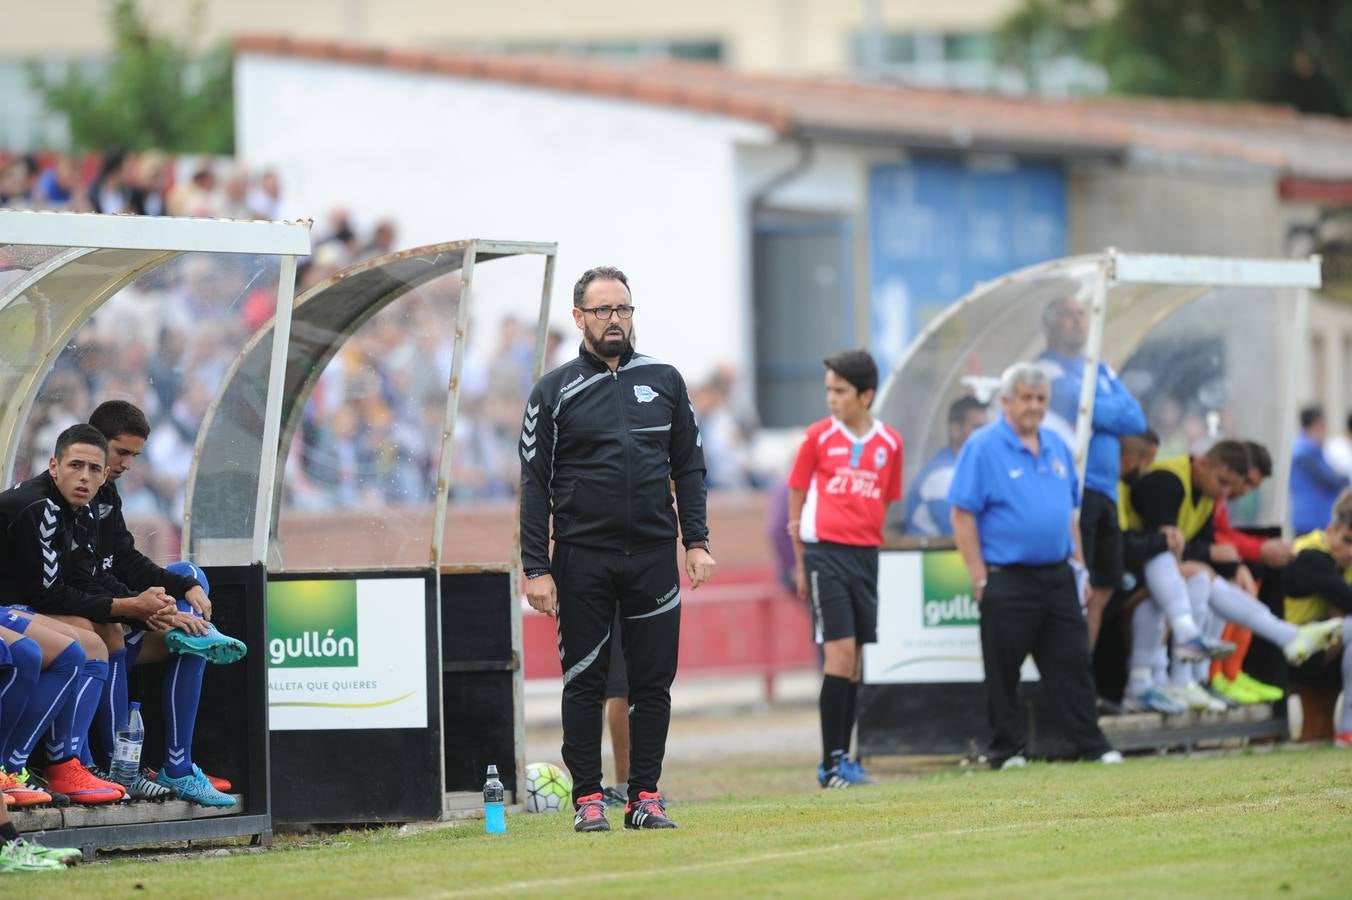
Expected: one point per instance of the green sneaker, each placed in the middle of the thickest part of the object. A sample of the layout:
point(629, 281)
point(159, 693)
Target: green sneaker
point(1236, 690)
point(18, 856)
point(1266, 693)
point(67, 856)
point(195, 788)
point(213, 646)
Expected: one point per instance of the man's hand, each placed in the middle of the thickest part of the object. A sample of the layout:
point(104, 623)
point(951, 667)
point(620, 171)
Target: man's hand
point(198, 600)
point(699, 565)
point(542, 595)
point(1275, 552)
point(188, 622)
point(800, 580)
point(1224, 553)
point(1174, 537)
point(1244, 580)
point(147, 605)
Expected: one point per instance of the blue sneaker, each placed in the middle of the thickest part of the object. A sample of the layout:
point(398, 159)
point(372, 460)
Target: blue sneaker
point(213, 646)
point(831, 778)
point(195, 788)
point(1152, 699)
point(1203, 647)
point(854, 773)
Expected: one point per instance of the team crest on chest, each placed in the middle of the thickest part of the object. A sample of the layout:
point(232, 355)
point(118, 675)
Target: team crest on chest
point(644, 394)
point(1058, 468)
point(879, 457)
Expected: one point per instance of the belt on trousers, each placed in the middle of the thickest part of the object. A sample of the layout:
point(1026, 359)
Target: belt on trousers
point(1019, 567)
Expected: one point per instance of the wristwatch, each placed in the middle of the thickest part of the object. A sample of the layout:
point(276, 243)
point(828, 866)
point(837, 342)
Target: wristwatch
point(703, 545)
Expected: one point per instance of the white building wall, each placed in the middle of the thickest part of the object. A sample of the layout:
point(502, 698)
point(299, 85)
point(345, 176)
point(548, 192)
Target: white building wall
point(650, 189)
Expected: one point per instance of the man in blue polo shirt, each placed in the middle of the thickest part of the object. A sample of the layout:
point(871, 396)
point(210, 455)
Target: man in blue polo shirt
point(1014, 495)
point(1116, 415)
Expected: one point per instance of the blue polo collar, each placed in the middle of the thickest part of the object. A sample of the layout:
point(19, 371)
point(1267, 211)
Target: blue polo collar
point(1011, 437)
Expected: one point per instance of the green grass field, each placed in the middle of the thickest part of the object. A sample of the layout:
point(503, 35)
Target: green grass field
point(1260, 824)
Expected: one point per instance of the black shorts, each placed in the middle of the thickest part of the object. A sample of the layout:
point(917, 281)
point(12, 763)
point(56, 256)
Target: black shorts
point(1101, 538)
point(842, 584)
point(617, 679)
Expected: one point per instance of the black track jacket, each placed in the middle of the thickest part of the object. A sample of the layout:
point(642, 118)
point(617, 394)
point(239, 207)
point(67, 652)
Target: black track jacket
point(46, 560)
point(121, 567)
point(598, 451)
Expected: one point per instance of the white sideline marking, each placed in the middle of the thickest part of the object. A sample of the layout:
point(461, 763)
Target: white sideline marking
point(878, 842)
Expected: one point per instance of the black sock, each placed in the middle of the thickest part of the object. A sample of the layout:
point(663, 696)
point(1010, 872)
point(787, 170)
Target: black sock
point(834, 698)
point(9, 833)
point(850, 707)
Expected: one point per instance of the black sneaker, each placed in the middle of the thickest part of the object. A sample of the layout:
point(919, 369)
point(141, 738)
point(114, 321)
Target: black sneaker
point(649, 811)
point(614, 797)
point(591, 814)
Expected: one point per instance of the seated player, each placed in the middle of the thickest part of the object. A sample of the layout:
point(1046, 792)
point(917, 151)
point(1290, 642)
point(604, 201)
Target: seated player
point(1318, 586)
point(926, 508)
point(189, 642)
point(46, 566)
point(1177, 499)
point(20, 661)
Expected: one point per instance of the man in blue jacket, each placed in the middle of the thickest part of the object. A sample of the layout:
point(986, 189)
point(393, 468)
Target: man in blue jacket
point(1314, 483)
point(1116, 415)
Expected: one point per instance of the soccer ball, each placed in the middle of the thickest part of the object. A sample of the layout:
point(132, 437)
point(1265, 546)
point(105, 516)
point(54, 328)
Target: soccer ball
point(548, 788)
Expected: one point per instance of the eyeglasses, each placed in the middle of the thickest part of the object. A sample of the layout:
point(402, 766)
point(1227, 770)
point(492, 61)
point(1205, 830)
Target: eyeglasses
point(603, 313)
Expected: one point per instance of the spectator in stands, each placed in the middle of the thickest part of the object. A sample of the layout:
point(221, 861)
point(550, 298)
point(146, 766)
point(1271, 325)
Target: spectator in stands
point(109, 192)
point(149, 184)
point(196, 196)
point(1314, 484)
point(58, 185)
point(926, 509)
point(1338, 450)
point(265, 200)
point(1317, 588)
point(382, 240)
point(1013, 496)
point(724, 443)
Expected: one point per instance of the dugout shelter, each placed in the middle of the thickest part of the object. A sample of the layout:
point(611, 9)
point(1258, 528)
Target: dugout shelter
point(393, 599)
point(77, 294)
point(1212, 347)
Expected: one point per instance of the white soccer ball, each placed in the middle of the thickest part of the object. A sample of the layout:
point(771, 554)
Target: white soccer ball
point(548, 788)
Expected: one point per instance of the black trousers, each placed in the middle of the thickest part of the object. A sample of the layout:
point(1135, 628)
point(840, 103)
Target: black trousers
point(645, 588)
point(1035, 609)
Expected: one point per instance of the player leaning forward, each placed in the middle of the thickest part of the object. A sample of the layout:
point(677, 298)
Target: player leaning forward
point(847, 472)
point(604, 436)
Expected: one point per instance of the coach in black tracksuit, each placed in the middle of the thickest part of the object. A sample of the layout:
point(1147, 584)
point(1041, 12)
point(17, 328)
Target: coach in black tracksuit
point(602, 440)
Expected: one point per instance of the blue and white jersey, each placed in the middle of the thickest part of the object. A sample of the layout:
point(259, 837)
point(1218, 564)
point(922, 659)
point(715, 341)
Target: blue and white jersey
point(927, 506)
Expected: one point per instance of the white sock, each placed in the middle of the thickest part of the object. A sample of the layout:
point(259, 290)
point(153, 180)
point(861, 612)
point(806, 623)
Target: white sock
point(1234, 605)
point(1346, 723)
point(1170, 592)
point(1199, 588)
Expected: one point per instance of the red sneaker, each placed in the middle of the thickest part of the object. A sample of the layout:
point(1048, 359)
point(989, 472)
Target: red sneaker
point(1343, 739)
point(648, 812)
point(591, 813)
point(21, 793)
point(80, 785)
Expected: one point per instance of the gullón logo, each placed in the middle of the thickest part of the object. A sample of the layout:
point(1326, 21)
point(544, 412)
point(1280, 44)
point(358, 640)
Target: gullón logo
point(948, 599)
point(312, 624)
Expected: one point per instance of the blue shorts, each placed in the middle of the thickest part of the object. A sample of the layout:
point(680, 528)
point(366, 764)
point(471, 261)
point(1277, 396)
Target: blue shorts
point(15, 617)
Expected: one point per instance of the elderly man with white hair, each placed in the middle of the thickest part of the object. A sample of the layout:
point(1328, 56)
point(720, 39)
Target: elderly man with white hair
point(1014, 495)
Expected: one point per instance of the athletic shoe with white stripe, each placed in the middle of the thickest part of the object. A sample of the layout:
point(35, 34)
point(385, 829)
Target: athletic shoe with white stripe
point(831, 778)
point(647, 812)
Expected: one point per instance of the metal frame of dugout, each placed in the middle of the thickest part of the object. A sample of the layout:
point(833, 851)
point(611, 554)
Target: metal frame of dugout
point(67, 267)
point(923, 680)
point(470, 643)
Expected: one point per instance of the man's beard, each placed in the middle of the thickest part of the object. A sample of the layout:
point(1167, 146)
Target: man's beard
point(611, 347)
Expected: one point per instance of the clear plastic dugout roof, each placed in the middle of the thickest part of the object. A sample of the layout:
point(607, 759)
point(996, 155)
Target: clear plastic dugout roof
point(150, 310)
point(1209, 347)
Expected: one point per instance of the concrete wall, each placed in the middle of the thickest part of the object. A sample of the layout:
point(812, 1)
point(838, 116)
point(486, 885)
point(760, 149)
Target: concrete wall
point(652, 190)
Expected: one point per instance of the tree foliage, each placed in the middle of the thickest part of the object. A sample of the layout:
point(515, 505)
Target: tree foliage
point(156, 92)
point(1294, 52)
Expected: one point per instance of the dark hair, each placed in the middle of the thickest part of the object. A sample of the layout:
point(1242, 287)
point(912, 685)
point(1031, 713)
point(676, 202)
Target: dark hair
point(1310, 415)
point(1259, 458)
point(855, 366)
point(1231, 454)
point(1150, 437)
point(958, 410)
point(80, 434)
point(118, 417)
point(599, 273)
point(1349, 422)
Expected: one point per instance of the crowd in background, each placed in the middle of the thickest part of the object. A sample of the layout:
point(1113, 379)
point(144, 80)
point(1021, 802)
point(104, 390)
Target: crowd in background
point(370, 434)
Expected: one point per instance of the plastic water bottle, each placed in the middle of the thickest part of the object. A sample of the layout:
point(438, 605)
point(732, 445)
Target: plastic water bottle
point(127, 749)
point(495, 818)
